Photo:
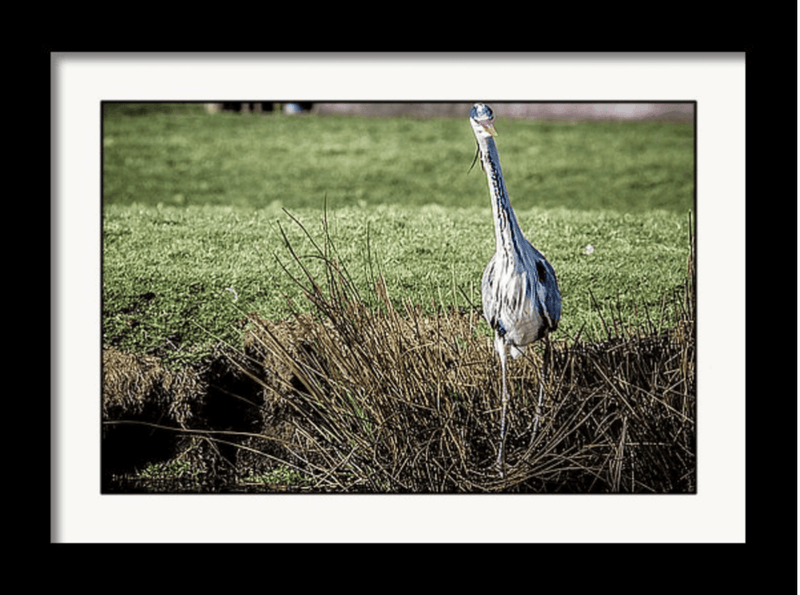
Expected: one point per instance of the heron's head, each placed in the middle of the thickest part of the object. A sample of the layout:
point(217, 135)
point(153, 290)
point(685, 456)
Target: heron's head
point(482, 119)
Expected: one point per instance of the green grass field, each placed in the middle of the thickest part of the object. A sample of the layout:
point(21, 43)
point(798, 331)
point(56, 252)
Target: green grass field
point(193, 210)
point(187, 158)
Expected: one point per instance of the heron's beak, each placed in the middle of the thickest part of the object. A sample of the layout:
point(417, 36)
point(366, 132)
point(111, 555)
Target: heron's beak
point(489, 128)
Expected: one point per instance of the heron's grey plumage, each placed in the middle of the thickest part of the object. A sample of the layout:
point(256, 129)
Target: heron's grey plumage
point(521, 299)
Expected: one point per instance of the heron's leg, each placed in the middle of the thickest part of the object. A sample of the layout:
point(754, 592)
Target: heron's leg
point(538, 412)
point(500, 460)
point(541, 391)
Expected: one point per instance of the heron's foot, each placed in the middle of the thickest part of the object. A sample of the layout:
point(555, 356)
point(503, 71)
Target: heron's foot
point(500, 464)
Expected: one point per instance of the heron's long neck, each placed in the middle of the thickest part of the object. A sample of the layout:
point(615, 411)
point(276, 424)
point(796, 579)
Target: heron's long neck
point(506, 229)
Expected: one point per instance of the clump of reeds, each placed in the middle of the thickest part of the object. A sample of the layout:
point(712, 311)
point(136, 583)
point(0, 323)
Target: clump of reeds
point(389, 399)
point(137, 386)
point(143, 404)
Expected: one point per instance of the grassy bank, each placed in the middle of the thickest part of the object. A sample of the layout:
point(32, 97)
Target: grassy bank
point(364, 395)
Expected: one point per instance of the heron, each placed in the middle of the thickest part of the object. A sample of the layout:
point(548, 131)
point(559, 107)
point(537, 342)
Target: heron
point(521, 299)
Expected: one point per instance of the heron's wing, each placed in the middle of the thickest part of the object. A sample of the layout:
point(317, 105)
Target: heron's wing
point(548, 295)
point(490, 298)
